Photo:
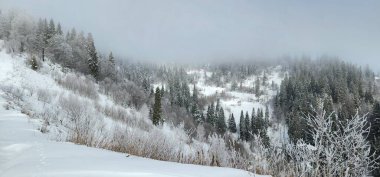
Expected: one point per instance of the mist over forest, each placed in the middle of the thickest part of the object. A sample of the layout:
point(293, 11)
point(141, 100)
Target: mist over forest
point(197, 88)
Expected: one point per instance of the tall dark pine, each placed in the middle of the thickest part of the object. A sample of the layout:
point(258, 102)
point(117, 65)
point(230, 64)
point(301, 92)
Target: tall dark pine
point(221, 123)
point(266, 117)
point(232, 124)
point(253, 123)
point(242, 126)
point(211, 115)
point(93, 60)
point(156, 118)
point(247, 124)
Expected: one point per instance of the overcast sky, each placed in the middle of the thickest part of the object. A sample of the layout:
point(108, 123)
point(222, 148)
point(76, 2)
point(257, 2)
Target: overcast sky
point(191, 30)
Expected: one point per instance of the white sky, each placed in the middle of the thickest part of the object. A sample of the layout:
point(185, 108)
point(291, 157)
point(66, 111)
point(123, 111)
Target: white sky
point(197, 30)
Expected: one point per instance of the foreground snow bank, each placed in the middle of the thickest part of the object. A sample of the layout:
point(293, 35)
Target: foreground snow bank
point(24, 151)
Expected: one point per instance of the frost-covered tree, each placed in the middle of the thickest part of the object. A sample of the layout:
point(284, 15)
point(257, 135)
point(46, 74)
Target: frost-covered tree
point(257, 87)
point(59, 29)
point(374, 134)
point(340, 152)
point(156, 118)
point(93, 59)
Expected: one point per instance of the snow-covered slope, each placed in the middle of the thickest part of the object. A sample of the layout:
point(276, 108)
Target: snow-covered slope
point(24, 151)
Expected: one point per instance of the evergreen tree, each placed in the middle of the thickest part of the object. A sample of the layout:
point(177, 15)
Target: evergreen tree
point(40, 42)
point(266, 117)
point(259, 121)
point(157, 107)
point(217, 107)
point(254, 127)
point(93, 61)
point(59, 29)
point(195, 95)
point(242, 126)
point(257, 87)
point(232, 124)
point(51, 29)
point(111, 66)
point(162, 90)
point(265, 78)
point(221, 124)
point(186, 96)
point(211, 115)
point(111, 59)
point(145, 85)
point(247, 124)
point(197, 115)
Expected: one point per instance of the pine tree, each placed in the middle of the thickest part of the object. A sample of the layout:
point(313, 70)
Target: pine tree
point(211, 114)
point(196, 113)
point(232, 124)
point(217, 107)
point(221, 124)
point(257, 87)
point(40, 42)
point(93, 61)
point(242, 126)
point(247, 124)
point(111, 66)
point(111, 59)
point(254, 122)
point(266, 117)
point(186, 96)
point(51, 29)
point(59, 29)
point(157, 107)
point(162, 90)
point(195, 95)
point(265, 78)
point(259, 121)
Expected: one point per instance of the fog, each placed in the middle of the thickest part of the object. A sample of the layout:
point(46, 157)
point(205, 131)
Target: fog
point(201, 30)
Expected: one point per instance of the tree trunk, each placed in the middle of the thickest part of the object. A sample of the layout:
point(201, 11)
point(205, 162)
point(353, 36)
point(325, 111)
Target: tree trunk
point(43, 54)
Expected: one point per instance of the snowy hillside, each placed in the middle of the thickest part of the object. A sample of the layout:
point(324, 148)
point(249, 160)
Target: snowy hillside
point(25, 151)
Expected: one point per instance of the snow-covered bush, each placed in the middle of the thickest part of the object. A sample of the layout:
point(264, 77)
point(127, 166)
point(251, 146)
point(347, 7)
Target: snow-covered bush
point(80, 84)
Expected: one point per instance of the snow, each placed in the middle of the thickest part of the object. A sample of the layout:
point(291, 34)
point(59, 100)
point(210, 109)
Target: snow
point(24, 151)
point(235, 101)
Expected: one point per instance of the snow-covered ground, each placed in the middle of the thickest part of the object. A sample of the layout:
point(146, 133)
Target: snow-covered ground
point(24, 151)
point(236, 101)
